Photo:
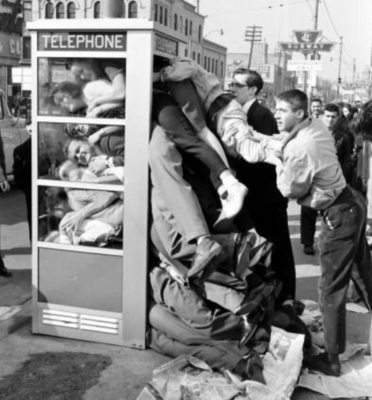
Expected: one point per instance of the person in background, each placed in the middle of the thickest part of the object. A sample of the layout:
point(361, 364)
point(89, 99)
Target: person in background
point(312, 174)
point(266, 205)
point(308, 214)
point(5, 187)
point(22, 176)
point(316, 107)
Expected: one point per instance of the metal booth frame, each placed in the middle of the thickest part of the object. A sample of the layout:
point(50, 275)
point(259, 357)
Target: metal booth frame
point(93, 293)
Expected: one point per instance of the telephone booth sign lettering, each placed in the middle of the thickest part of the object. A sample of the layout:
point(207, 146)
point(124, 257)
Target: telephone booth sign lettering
point(166, 45)
point(80, 41)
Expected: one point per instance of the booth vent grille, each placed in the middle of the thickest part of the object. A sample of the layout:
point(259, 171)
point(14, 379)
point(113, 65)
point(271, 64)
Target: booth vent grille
point(81, 321)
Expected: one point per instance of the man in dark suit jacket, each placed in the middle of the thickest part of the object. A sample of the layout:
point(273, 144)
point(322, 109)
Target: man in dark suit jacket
point(267, 206)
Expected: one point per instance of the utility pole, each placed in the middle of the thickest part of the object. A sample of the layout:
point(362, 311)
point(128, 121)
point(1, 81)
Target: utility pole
point(339, 69)
point(354, 68)
point(252, 34)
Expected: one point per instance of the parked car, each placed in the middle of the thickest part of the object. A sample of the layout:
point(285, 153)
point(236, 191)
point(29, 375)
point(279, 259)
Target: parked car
point(13, 132)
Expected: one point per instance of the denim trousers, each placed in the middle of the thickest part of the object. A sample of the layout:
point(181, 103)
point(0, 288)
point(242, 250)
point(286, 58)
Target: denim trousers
point(344, 256)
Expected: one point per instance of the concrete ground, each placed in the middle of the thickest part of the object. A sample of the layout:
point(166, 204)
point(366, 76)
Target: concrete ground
point(130, 369)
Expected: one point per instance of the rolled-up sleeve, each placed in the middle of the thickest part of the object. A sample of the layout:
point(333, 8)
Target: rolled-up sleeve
point(294, 176)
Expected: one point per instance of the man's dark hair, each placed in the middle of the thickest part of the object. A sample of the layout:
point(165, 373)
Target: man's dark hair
point(332, 107)
point(296, 98)
point(251, 78)
point(316, 100)
point(363, 123)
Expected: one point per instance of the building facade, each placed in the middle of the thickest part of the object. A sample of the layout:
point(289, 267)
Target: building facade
point(11, 27)
point(180, 21)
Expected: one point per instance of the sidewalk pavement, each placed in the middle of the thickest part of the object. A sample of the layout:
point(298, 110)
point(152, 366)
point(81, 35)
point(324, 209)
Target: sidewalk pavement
point(130, 368)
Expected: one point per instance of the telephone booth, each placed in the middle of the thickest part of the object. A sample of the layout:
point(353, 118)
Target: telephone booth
point(89, 271)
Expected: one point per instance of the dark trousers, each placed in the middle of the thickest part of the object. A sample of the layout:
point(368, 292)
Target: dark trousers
point(271, 222)
point(344, 256)
point(177, 127)
point(267, 209)
point(308, 225)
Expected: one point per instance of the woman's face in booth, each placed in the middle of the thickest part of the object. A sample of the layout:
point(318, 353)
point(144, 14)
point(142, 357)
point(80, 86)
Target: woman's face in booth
point(81, 152)
point(345, 111)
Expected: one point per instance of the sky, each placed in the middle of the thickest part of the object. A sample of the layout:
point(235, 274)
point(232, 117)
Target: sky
point(351, 19)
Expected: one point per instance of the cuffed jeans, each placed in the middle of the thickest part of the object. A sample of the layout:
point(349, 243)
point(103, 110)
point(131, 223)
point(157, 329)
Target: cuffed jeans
point(344, 255)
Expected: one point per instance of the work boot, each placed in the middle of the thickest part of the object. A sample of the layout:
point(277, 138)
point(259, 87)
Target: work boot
point(205, 260)
point(231, 205)
point(321, 363)
point(309, 249)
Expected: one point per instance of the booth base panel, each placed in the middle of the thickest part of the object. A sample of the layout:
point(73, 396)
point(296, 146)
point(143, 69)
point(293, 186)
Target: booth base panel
point(81, 324)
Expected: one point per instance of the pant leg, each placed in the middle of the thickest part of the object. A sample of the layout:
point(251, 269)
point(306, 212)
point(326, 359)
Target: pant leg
point(186, 96)
point(271, 222)
point(339, 244)
point(170, 117)
point(28, 197)
point(171, 194)
point(308, 225)
point(362, 270)
point(192, 310)
point(168, 334)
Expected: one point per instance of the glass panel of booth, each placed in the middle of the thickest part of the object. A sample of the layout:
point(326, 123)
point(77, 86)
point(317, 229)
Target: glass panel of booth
point(81, 87)
point(79, 153)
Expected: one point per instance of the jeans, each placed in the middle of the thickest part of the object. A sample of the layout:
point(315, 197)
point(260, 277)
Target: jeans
point(344, 255)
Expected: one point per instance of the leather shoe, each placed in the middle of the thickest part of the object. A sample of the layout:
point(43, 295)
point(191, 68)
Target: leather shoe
point(285, 317)
point(5, 272)
point(250, 323)
point(206, 255)
point(321, 364)
point(309, 250)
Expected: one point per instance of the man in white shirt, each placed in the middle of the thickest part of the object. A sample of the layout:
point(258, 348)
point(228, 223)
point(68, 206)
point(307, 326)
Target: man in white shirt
point(312, 174)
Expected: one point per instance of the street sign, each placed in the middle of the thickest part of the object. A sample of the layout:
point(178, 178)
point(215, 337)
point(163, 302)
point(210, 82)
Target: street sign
point(309, 36)
point(307, 48)
point(304, 65)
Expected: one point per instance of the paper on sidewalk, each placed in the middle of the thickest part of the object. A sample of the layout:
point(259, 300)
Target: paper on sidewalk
point(188, 378)
point(283, 361)
point(355, 380)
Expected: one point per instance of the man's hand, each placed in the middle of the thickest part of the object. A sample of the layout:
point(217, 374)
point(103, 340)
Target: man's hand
point(4, 185)
point(175, 274)
point(98, 164)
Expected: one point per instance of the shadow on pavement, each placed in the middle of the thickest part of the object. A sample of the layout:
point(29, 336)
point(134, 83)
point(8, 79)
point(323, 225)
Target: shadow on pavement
point(17, 251)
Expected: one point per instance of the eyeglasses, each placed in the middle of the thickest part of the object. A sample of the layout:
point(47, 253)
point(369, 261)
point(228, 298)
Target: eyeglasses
point(236, 85)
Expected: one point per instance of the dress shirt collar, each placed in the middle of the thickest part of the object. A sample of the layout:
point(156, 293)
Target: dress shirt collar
point(248, 105)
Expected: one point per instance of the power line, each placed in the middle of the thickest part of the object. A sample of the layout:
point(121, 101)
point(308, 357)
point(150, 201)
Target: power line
point(334, 28)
